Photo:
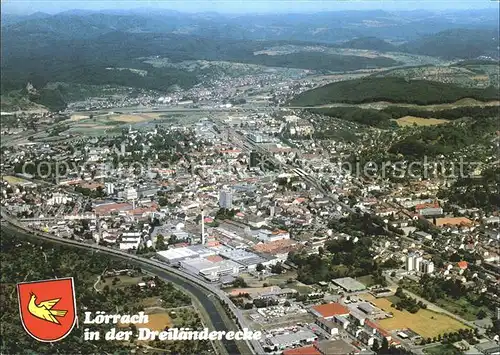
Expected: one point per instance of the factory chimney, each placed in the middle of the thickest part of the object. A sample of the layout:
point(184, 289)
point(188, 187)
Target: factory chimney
point(202, 227)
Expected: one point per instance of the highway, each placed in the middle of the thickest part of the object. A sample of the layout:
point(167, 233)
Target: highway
point(191, 283)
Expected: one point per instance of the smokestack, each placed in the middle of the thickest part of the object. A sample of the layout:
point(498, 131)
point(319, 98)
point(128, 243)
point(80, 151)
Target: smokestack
point(202, 227)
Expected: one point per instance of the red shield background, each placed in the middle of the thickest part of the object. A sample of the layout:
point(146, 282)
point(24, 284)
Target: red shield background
point(40, 329)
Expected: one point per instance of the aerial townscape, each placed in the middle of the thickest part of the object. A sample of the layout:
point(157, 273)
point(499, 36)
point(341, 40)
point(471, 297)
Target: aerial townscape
point(330, 179)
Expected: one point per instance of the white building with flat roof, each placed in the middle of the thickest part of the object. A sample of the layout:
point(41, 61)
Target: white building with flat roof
point(417, 262)
point(410, 262)
point(210, 270)
point(245, 258)
point(175, 255)
point(130, 240)
point(286, 340)
point(427, 267)
point(268, 236)
point(129, 194)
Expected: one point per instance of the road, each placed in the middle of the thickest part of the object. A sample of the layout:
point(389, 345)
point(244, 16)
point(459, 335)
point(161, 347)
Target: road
point(191, 283)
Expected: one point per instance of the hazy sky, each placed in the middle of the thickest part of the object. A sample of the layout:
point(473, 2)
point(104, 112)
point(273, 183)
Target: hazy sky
point(242, 6)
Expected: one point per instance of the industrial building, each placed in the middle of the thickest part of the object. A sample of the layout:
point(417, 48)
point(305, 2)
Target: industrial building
point(348, 284)
point(247, 259)
point(328, 325)
point(283, 341)
point(211, 268)
point(336, 347)
point(366, 308)
point(268, 236)
point(176, 255)
point(329, 310)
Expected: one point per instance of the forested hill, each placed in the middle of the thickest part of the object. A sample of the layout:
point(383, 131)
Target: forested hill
point(40, 58)
point(370, 43)
point(391, 89)
point(456, 43)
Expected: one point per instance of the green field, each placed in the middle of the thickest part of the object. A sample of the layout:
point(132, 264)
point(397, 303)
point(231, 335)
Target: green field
point(461, 307)
point(445, 349)
point(426, 323)
point(366, 280)
point(418, 121)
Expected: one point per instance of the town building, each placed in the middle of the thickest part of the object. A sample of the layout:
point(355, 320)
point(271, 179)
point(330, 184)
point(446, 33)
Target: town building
point(348, 284)
point(329, 310)
point(226, 199)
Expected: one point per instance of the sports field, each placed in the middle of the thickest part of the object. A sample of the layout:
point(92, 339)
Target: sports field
point(426, 323)
point(135, 118)
point(158, 321)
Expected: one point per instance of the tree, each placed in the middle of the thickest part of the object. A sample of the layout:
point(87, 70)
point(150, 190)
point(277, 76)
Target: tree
point(239, 282)
point(399, 293)
point(385, 346)
point(260, 267)
point(160, 242)
point(277, 268)
point(172, 240)
point(481, 314)
point(375, 346)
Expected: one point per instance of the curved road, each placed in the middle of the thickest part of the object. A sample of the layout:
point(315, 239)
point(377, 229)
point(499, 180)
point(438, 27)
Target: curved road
point(162, 270)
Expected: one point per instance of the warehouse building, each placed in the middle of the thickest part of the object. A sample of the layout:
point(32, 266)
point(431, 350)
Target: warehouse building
point(283, 341)
point(176, 255)
point(248, 260)
point(348, 284)
point(212, 268)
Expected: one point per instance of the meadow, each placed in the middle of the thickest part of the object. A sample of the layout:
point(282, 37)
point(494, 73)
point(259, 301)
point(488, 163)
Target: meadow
point(426, 323)
point(419, 121)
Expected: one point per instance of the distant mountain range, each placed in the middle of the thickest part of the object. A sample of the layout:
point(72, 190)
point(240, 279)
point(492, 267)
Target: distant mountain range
point(78, 46)
point(457, 43)
point(328, 27)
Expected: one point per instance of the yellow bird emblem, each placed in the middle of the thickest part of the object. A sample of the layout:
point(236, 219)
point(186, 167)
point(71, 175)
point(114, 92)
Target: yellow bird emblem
point(44, 309)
